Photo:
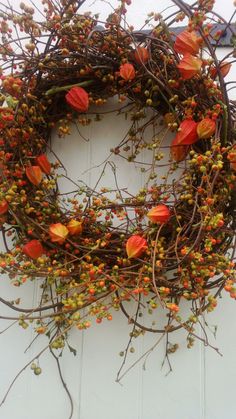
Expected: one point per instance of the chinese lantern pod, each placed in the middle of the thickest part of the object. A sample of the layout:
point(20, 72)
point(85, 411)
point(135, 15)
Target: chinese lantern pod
point(34, 174)
point(187, 43)
point(232, 158)
point(189, 66)
point(3, 207)
point(159, 214)
point(206, 128)
point(141, 55)
point(44, 164)
point(187, 133)
point(33, 249)
point(178, 152)
point(58, 233)
point(78, 99)
point(224, 68)
point(136, 246)
point(127, 72)
point(74, 227)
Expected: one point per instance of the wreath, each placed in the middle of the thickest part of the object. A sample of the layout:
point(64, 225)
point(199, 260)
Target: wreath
point(171, 242)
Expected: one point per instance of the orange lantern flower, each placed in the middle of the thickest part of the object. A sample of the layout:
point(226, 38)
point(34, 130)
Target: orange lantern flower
point(78, 99)
point(159, 214)
point(206, 128)
point(58, 233)
point(178, 152)
point(74, 227)
point(34, 174)
point(232, 158)
point(224, 68)
point(187, 43)
point(3, 207)
point(127, 71)
point(187, 133)
point(141, 55)
point(189, 66)
point(135, 246)
point(33, 249)
point(44, 164)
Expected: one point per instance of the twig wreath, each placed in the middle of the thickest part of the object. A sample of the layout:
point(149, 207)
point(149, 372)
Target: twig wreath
point(175, 239)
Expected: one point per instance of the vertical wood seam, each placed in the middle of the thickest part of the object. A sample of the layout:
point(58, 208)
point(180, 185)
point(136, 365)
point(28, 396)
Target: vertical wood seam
point(203, 379)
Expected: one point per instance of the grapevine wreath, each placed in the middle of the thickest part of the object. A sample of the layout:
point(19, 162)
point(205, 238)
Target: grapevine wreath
point(175, 238)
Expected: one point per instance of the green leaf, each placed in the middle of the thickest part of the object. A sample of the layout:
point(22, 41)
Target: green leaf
point(73, 350)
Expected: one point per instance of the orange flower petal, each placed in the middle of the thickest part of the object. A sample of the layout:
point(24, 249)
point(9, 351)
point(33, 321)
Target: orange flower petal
point(135, 246)
point(206, 128)
point(44, 164)
point(178, 152)
point(78, 99)
point(189, 66)
point(187, 133)
point(34, 174)
point(223, 68)
point(3, 207)
point(127, 71)
point(187, 42)
point(74, 227)
point(159, 214)
point(141, 55)
point(58, 233)
point(33, 249)
point(232, 158)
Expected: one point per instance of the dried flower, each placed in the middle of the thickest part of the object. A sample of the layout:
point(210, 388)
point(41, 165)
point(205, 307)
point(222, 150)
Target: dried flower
point(141, 55)
point(74, 227)
point(224, 68)
point(44, 164)
point(3, 207)
point(34, 174)
point(78, 99)
point(159, 214)
point(178, 152)
point(187, 133)
point(58, 233)
point(206, 128)
point(33, 249)
point(189, 66)
point(135, 246)
point(127, 71)
point(187, 43)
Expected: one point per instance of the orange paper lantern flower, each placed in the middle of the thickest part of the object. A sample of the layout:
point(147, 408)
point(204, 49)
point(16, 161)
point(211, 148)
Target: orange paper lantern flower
point(224, 68)
point(206, 128)
point(3, 207)
point(127, 71)
point(44, 164)
point(187, 133)
point(34, 174)
point(33, 249)
point(232, 158)
point(58, 233)
point(78, 99)
point(141, 55)
point(135, 246)
point(187, 43)
point(178, 152)
point(159, 214)
point(74, 227)
point(189, 66)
